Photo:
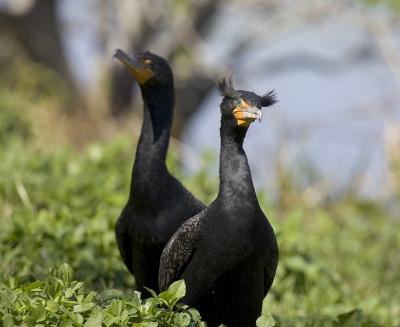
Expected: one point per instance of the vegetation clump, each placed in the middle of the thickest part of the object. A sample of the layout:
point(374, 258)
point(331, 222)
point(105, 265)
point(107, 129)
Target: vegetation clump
point(58, 300)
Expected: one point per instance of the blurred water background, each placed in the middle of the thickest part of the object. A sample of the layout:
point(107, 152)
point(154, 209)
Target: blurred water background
point(334, 64)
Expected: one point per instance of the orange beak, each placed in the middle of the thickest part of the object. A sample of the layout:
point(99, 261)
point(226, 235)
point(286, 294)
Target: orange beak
point(246, 114)
point(136, 67)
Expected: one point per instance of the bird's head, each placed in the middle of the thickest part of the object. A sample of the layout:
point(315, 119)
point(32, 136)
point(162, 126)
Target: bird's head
point(242, 107)
point(146, 67)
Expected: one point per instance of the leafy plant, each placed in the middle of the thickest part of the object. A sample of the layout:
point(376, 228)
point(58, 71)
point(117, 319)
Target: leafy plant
point(58, 300)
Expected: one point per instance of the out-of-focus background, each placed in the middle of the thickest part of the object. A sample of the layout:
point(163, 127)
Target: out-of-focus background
point(325, 159)
point(334, 64)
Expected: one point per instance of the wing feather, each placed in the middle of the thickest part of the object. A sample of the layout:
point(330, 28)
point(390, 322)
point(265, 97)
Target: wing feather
point(179, 250)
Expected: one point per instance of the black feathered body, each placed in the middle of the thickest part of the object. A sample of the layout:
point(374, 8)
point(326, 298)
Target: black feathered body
point(227, 254)
point(158, 203)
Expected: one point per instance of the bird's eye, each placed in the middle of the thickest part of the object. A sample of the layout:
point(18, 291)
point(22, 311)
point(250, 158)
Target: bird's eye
point(147, 61)
point(238, 102)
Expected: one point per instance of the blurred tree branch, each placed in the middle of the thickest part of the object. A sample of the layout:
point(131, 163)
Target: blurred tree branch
point(37, 31)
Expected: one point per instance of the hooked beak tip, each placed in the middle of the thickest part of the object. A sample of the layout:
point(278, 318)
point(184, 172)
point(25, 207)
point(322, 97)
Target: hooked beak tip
point(116, 53)
point(123, 57)
point(260, 116)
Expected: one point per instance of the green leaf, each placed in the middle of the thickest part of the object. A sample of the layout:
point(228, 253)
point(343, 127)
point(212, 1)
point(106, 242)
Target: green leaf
point(90, 297)
point(9, 296)
point(165, 296)
point(77, 286)
point(52, 306)
point(353, 318)
point(145, 324)
point(152, 293)
point(182, 320)
point(78, 308)
point(33, 286)
point(177, 289)
point(79, 318)
point(65, 273)
point(136, 300)
point(150, 305)
point(69, 292)
point(195, 314)
point(38, 313)
point(115, 308)
point(95, 320)
point(265, 321)
point(65, 323)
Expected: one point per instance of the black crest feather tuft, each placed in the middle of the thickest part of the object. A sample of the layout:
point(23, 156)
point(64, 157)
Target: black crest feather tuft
point(269, 98)
point(225, 88)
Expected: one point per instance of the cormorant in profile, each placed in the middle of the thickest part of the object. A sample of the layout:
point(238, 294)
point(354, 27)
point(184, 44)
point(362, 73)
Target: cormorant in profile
point(158, 203)
point(227, 254)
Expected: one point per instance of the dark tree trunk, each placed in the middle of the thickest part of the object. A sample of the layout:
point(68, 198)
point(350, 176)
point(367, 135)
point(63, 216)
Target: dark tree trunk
point(37, 31)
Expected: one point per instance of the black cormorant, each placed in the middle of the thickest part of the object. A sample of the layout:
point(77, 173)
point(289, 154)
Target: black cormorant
point(158, 203)
point(227, 254)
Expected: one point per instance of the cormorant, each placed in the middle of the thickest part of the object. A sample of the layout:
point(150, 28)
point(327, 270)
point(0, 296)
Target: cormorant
point(158, 203)
point(227, 254)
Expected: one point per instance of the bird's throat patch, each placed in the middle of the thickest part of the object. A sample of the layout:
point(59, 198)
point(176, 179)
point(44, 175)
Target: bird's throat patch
point(142, 74)
point(243, 121)
point(244, 116)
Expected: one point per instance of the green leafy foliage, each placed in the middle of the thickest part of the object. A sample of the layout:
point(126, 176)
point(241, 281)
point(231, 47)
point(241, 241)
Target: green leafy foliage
point(58, 300)
point(48, 218)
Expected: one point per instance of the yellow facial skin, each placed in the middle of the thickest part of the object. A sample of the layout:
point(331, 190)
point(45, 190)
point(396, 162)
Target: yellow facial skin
point(137, 67)
point(141, 74)
point(245, 114)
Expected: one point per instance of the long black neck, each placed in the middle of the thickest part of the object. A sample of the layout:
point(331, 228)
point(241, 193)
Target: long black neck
point(149, 169)
point(236, 184)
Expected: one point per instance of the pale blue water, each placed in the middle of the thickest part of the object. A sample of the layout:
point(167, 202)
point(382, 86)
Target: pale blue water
point(336, 95)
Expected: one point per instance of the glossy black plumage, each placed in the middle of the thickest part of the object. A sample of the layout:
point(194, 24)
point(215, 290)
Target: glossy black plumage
point(227, 254)
point(158, 203)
